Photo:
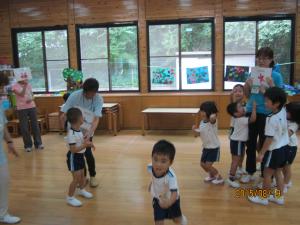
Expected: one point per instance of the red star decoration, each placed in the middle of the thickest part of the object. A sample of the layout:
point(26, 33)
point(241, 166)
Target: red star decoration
point(261, 78)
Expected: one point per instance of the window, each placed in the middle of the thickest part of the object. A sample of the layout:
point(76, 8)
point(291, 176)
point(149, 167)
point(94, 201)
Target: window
point(110, 54)
point(45, 52)
point(243, 37)
point(180, 56)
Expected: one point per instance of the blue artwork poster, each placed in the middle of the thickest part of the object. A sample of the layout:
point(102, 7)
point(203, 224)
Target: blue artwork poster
point(197, 75)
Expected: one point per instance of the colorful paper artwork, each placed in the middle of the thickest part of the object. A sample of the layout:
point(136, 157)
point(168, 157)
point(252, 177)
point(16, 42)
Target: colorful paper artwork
point(197, 75)
point(236, 73)
point(163, 76)
point(259, 77)
point(22, 74)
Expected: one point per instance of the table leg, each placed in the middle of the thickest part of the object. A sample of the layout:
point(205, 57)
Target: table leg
point(144, 123)
point(120, 115)
point(114, 124)
point(109, 121)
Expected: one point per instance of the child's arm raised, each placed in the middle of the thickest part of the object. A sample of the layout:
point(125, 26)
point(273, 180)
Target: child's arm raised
point(213, 118)
point(253, 114)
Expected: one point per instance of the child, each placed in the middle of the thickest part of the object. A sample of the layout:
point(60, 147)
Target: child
point(75, 156)
point(27, 111)
point(293, 121)
point(164, 187)
point(211, 145)
point(273, 150)
point(238, 137)
point(237, 95)
point(4, 174)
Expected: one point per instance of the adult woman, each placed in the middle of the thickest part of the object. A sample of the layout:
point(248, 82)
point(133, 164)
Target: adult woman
point(264, 58)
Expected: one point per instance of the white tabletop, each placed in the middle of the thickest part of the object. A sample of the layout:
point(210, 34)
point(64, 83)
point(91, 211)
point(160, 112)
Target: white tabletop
point(109, 105)
point(171, 110)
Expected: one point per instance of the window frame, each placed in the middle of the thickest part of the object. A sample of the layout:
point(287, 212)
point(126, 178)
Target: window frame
point(15, 31)
point(179, 23)
point(259, 19)
point(107, 26)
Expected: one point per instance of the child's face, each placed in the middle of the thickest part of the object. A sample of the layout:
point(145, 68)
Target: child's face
point(270, 105)
point(160, 164)
point(237, 94)
point(240, 111)
point(80, 120)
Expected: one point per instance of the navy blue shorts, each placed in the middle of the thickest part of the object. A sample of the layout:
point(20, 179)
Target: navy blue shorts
point(237, 148)
point(275, 159)
point(172, 212)
point(210, 155)
point(75, 161)
point(290, 154)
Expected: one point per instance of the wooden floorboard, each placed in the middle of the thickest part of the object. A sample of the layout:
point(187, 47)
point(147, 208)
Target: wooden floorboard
point(39, 182)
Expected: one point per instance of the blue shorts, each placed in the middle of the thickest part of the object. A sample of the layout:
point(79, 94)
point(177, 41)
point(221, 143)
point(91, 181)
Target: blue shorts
point(275, 159)
point(75, 161)
point(210, 155)
point(237, 148)
point(290, 154)
point(172, 212)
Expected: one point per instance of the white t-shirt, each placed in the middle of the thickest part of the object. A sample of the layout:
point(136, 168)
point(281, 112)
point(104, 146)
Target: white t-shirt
point(293, 138)
point(75, 137)
point(162, 186)
point(276, 127)
point(240, 129)
point(209, 134)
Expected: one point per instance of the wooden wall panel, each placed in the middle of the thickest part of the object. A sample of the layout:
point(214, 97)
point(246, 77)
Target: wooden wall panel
point(258, 7)
point(174, 9)
point(101, 11)
point(5, 35)
point(297, 45)
point(32, 13)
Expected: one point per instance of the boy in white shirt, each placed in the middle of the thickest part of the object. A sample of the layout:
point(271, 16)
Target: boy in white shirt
point(208, 130)
point(75, 156)
point(273, 150)
point(239, 137)
point(163, 187)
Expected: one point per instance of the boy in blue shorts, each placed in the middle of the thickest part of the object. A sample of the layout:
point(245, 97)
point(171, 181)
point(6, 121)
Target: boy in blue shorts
point(164, 187)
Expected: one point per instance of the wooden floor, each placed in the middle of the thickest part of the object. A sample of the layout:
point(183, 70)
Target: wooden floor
point(39, 182)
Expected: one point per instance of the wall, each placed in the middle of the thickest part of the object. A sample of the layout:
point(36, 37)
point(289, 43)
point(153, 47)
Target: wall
point(37, 13)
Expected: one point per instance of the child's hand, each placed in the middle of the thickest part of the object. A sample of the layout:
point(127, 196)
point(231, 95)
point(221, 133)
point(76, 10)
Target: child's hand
point(269, 81)
point(213, 117)
point(194, 127)
point(163, 203)
point(249, 82)
point(12, 149)
point(259, 157)
point(87, 142)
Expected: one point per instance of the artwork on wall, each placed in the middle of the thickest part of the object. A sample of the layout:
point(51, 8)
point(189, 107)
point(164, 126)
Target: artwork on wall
point(163, 76)
point(236, 73)
point(197, 75)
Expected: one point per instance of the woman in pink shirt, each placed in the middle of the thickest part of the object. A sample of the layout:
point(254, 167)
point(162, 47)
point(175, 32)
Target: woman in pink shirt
point(27, 113)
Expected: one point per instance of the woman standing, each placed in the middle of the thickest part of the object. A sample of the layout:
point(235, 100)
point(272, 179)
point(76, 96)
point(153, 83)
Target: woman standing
point(264, 58)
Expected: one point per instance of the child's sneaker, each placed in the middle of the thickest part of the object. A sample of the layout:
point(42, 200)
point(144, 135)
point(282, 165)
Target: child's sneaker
point(73, 201)
point(9, 219)
point(258, 200)
point(289, 185)
point(85, 193)
point(279, 200)
point(218, 180)
point(233, 183)
point(285, 189)
point(184, 220)
point(246, 178)
point(28, 149)
point(209, 179)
